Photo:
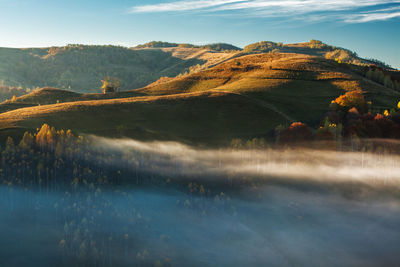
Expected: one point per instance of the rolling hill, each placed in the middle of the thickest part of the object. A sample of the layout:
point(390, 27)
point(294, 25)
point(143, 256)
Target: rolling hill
point(48, 95)
point(204, 117)
point(220, 47)
point(313, 48)
point(298, 85)
point(80, 68)
point(242, 96)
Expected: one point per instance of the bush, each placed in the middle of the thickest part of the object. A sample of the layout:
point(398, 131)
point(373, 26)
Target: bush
point(297, 132)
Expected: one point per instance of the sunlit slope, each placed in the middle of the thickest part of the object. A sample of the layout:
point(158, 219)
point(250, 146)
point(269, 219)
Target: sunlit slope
point(46, 96)
point(201, 117)
point(300, 86)
point(244, 97)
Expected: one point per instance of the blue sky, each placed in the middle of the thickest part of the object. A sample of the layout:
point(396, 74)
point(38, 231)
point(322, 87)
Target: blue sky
point(369, 27)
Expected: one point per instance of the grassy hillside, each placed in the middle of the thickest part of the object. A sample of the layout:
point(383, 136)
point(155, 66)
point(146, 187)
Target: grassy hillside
point(299, 86)
point(202, 117)
point(80, 68)
point(46, 96)
point(241, 97)
point(314, 48)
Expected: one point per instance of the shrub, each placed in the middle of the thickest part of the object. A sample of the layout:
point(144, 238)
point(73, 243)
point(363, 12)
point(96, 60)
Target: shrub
point(297, 132)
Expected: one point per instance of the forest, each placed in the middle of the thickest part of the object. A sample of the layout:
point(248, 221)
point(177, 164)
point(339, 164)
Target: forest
point(109, 202)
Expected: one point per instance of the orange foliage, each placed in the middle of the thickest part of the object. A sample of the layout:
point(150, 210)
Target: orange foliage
point(379, 117)
point(297, 132)
point(351, 99)
point(354, 111)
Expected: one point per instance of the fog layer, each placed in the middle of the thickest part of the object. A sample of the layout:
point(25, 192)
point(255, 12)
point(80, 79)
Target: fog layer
point(374, 169)
point(262, 223)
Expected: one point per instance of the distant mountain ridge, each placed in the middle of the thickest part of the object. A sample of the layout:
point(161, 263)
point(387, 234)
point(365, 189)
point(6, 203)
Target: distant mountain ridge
point(216, 46)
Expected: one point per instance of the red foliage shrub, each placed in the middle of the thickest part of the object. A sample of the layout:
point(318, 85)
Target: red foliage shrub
point(371, 126)
point(297, 132)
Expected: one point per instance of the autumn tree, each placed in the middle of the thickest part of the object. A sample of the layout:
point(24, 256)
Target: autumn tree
point(26, 141)
point(297, 132)
point(10, 145)
point(110, 84)
point(46, 136)
point(349, 100)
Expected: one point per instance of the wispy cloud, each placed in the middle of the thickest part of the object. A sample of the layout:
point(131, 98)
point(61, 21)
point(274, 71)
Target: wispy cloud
point(181, 6)
point(307, 5)
point(345, 10)
point(377, 15)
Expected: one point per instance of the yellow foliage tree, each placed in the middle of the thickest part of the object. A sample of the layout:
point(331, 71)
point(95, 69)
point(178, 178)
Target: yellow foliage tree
point(46, 135)
point(110, 84)
point(26, 141)
point(351, 99)
point(386, 113)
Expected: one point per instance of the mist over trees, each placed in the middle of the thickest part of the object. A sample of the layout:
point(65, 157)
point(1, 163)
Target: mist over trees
point(8, 93)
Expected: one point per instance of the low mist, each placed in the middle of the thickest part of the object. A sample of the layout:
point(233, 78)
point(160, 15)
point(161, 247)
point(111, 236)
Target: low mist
point(373, 169)
point(276, 217)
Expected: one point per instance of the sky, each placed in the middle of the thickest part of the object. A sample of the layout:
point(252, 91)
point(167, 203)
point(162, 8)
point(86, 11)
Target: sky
point(369, 27)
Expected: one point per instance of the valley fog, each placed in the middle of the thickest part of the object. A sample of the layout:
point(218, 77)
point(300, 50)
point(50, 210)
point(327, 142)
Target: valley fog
point(275, 207)
point(377, 169)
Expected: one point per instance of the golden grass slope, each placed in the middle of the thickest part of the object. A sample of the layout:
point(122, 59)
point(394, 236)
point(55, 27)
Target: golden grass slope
point(298, 85)
point(202, 117)
point(243, 97)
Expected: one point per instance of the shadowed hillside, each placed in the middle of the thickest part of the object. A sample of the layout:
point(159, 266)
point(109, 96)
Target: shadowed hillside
point(46, 96)
point(195, 117)
point(80, 68)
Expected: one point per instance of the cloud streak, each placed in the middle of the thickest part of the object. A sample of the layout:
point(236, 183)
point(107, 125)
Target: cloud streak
point(345, 10)
point(181, 6)
point(378, 15)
